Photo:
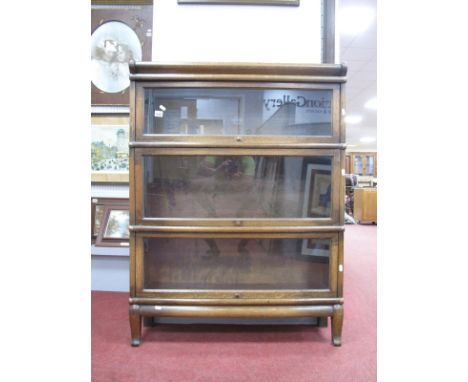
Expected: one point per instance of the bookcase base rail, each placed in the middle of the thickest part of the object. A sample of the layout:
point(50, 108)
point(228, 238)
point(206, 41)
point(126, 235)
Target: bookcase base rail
point(279, 311)
point(235, 301)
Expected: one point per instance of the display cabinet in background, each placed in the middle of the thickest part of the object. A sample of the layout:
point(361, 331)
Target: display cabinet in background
point(236, 192)
point(363, 164)
point(365, 205)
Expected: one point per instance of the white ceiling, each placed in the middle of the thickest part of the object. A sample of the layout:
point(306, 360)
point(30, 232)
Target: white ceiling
point(359, 52)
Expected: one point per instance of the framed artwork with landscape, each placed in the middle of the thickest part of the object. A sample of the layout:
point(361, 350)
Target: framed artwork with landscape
point(109, 222)
point(109, 148)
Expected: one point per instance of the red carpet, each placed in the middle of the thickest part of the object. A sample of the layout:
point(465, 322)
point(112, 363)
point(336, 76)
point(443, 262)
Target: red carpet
point(218, 353)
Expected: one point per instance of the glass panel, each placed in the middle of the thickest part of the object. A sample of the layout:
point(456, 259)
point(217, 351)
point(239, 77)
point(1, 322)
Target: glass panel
point(358, 165)
point(117, 225)
point(237, 186)
point(238, 112)
point(369, 165)
point(236, 263)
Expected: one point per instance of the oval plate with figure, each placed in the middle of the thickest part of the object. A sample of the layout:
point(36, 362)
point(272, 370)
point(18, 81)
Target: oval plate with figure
point(113, 45)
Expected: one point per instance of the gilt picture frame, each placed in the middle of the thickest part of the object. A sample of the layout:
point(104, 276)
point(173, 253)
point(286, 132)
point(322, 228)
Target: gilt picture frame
point(109, 148)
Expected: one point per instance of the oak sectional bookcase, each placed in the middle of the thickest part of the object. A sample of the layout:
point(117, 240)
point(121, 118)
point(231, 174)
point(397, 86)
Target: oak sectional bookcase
point(236, 192)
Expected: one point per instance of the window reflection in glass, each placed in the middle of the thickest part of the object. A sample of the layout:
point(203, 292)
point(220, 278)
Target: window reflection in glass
point(238, 112)
point(236, 263)
point(237, 186)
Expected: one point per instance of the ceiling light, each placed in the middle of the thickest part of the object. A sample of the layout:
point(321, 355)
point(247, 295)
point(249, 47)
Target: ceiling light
point(353, 119)
point(367, 139)
point(371, 104)
point(354, 20)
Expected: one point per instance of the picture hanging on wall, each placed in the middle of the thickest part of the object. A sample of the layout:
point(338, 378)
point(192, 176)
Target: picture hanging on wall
point(109, 148)
point(109, 222)
point(120, 31)
point(99, 214)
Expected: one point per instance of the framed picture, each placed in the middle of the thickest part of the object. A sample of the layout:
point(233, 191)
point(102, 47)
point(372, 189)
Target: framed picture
point(120, 31)
point(109, 222)
point(316, 247)
point(242, 2)
point(317, 195)
point(109, 148)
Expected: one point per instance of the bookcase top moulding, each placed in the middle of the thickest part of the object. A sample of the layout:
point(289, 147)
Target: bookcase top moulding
point(143, 71)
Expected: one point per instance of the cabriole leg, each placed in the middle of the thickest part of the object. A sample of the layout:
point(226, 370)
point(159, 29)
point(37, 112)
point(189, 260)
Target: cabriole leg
point(135, 324)
point(337, 324)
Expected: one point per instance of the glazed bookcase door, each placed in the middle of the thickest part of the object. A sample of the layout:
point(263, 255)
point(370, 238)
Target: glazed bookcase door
point(236, 266)
point(370, 165)
point(365, 164)
point(234, 187)
point(217, 114)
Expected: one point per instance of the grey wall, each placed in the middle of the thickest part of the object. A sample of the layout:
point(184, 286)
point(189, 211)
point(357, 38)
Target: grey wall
point(109, 265)
point(109, 269)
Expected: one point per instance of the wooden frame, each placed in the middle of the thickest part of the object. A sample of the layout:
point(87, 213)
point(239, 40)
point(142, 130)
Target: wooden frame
point(107, 205)
point(95, 219)
point(138, 16)
point(269, 302)
point(241, 2)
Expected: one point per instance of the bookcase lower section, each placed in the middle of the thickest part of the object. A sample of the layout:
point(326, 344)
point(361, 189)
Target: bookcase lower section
point(137, 311)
